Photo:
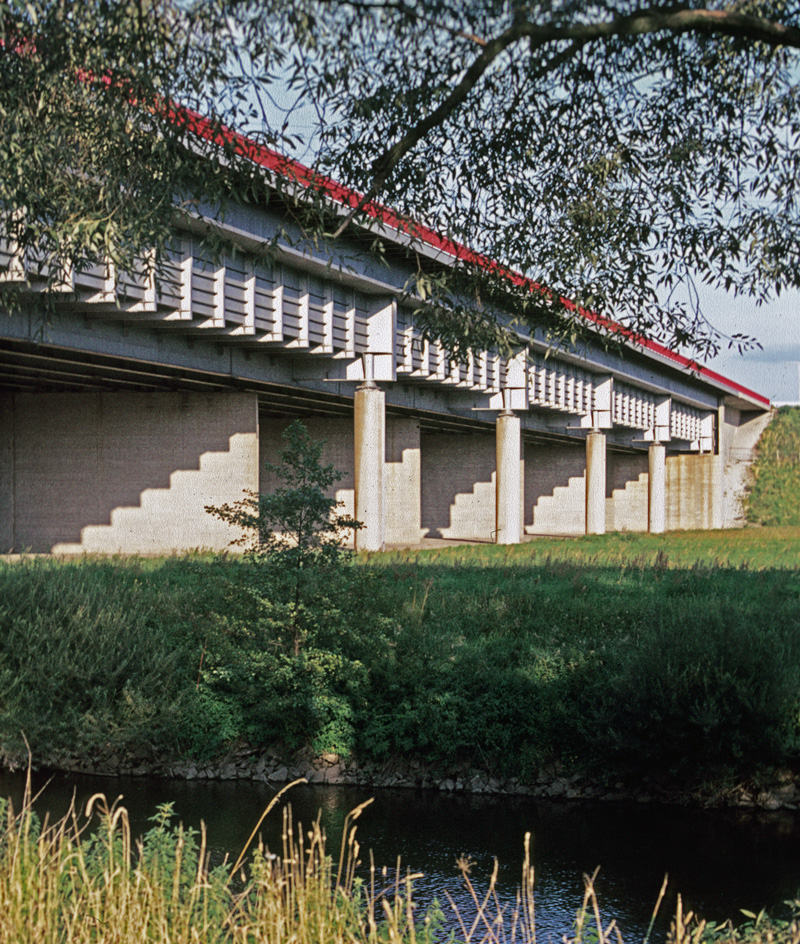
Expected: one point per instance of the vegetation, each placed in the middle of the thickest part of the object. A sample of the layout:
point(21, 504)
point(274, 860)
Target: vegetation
point(67, 882)
point(297, 524)
point(90, 880)
point(672, 656)
point(613, 155)
point(774, 494)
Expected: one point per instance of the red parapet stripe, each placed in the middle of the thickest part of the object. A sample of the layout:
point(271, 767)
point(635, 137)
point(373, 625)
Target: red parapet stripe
point(222, 136)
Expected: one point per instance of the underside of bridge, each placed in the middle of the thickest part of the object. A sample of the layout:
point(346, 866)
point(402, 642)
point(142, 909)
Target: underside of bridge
point(101, 454)
point(136, 401)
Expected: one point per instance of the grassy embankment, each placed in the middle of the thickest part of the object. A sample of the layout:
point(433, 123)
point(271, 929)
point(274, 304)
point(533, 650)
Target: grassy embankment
point(774, 495)
point(674, 657)
point(62, 882)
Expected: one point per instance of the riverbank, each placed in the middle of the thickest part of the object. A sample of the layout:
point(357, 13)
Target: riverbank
point(779, 792)
point(665, 668)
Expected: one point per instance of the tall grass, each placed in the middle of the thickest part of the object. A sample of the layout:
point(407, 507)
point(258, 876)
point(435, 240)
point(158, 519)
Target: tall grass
point(65, 882)
point(777, 546)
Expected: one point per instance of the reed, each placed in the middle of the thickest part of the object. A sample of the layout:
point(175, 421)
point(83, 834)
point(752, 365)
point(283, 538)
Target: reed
point(74, 882)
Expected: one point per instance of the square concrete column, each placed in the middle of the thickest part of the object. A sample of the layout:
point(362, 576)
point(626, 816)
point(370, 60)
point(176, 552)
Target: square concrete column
point(509, 480)
point(657, 488)
point(370, 447)
point(596, 483)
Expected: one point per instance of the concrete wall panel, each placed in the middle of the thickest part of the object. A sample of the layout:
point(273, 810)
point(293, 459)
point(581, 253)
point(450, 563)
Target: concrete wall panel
point(694, 498)
point(458, 485)
point(6, 472)
point(338, 451)
point(129, 472)
point(739, 436)
point(626, 491)
point(402, 472)
point(555, 488)
point(403, 481)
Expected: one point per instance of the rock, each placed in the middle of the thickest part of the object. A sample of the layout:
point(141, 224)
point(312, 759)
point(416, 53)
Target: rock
point(329, 758)
point(768, 801)
point(785, 793)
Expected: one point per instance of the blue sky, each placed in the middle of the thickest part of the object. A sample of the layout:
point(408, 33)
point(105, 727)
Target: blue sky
point(773, 371)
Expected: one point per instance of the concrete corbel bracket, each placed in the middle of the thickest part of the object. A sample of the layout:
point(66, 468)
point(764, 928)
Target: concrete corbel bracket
point(603, 401)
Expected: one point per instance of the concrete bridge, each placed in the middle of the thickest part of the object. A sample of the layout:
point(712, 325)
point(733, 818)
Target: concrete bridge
point(143, 399)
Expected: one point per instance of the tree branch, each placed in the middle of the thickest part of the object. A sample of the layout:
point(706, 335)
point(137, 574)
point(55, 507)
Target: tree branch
point(722, 22)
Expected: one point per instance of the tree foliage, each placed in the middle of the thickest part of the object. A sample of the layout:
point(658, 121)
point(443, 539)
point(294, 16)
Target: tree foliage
point(298, 521)
point(95, 144)
point(615, 152)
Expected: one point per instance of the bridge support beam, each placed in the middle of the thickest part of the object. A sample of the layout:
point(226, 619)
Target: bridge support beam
point(370, 449)
point(595, 483)
point(657, 488)
point(508, 525)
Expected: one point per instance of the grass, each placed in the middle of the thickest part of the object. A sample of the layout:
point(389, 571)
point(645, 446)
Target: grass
point(756, 548)
point(78, 881)
point(673, 657)
point(774, 493)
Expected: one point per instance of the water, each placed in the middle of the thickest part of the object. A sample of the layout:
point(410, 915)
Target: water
point(720, 861)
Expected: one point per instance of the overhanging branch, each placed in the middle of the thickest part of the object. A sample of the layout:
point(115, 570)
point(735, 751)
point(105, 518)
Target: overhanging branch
point(721, 22)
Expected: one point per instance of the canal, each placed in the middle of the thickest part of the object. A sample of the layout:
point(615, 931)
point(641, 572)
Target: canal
point(719, 861)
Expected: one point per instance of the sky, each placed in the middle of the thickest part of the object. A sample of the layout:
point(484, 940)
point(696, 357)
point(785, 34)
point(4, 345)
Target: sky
point(773, 371)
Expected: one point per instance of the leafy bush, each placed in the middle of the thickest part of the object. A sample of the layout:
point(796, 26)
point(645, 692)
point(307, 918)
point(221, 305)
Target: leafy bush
point(623, 670)
point(92, 656)
point(714, 692)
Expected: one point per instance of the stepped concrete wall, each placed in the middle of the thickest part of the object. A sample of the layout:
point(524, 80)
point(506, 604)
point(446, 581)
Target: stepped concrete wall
point(555, 488)
point(626, 491)
point(123, 472)
point(458, 485)
point(402, 469)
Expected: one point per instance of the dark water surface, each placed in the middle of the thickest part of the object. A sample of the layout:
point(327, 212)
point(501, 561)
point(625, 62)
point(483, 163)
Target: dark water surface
point(720, 861)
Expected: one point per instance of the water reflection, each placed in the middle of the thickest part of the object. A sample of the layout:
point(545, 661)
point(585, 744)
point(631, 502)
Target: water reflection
point(719, 861)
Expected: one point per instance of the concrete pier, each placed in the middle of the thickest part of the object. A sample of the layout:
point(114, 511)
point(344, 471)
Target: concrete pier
point(595, 483)
point(370, 448)
point(657, 489)
point(509, 480)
